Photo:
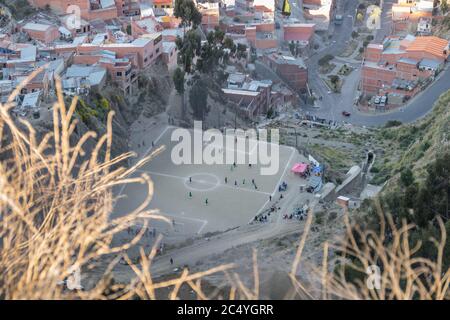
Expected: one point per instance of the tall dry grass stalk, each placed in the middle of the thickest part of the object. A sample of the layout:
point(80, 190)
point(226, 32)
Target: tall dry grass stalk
point(55, 206)
point(403, 275)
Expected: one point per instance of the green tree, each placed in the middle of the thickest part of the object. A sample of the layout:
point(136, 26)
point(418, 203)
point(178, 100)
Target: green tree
point(241, 50)
point(444, 6)
point(407, 177)
point(198, 98)
point(188, 48)
point(178, 80)
point(213, 51)
point(188, 13)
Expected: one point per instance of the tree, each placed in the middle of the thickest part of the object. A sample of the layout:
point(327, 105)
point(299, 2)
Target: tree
point(334, 79)
point(444, 6)
point(213, 51)
point(188, 13)
point(325, 59)
point(188, 48)
point(198, 97)
point(407, 177)
point(241, 51)
point(178, 80)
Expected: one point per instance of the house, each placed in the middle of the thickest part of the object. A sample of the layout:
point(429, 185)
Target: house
point(79, 79)
point(169, 55)
point(292, 70)
point(319, 12)
point(88, 9)
point(41, 32)
point(253, 98)
point(407, 12)
point(27, 103)
point(145, 49)
point(210, 15)
point(120, 70)
point(424, 26)
point(163, 4)
point(399, 64)
point(261, 35)
point(145, 26)
point(301, 33)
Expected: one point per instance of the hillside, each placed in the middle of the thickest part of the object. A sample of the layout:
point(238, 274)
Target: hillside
point(416, 166)
point(414, 145)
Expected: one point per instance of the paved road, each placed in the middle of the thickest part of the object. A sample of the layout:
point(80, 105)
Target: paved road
point(341, 36)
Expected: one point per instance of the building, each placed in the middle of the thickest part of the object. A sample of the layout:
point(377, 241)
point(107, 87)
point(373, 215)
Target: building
point(319, 12)
point(169, 55)
point(292, 70)
point(408, 12)
point(80, 79)
point(424, 27)
point(301, 33)
point(41, 32)
point(261, 35)
point(142, 51)
point(88, 9)
point(399, 65)
point(253, 97)
point(210, 15)
point(162, 4)
point(120, 70)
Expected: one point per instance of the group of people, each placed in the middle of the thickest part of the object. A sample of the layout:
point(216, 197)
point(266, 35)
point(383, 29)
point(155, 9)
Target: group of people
point(262, 218)
point(236, 183)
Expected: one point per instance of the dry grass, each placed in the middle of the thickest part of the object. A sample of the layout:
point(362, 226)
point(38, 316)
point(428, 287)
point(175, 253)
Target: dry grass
point(55, 205)
point(402, 274)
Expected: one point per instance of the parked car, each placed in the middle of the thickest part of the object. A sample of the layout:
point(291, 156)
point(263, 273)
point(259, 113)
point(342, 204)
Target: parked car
point(346, 113)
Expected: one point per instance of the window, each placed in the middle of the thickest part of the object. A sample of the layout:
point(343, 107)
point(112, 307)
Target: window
point(119, 74)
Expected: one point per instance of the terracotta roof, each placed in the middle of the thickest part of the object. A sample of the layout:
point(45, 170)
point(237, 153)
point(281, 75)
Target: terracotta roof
point(431, 44)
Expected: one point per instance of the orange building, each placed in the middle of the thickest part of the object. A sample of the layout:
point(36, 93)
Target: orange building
point(302, 32)
point(402, 63)
point(261, 35)
point(145, 50)
point(162, 4)
point(89, 9)
point(290, 69)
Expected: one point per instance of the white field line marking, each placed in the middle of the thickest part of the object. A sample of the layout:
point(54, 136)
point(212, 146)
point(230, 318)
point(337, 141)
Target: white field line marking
point(204, 222)
point(203, 182)
point(147, 152)
point(276, 187)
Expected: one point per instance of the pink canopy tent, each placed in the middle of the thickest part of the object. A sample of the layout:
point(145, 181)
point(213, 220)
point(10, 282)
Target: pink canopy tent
point(299, 168)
